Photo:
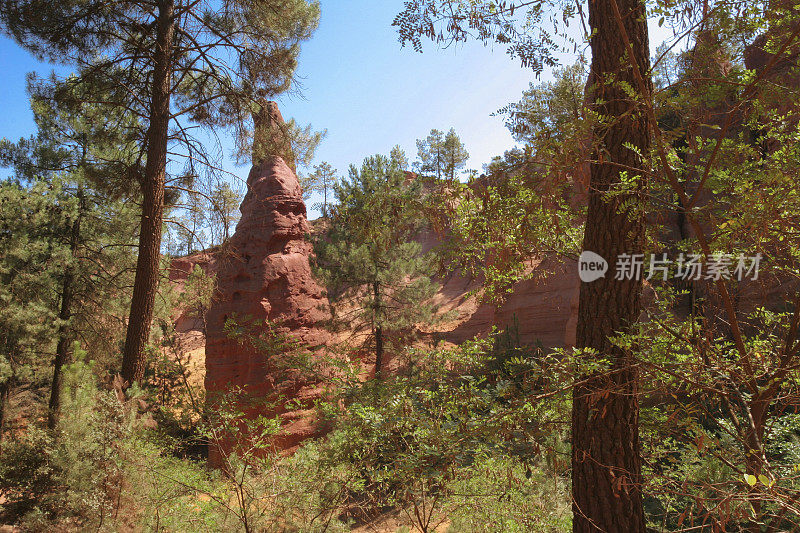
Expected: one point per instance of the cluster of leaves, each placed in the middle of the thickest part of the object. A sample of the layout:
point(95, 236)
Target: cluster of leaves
point(421, 441)
point(499, 224)
point(322, 180)
point(695, 435)
point(516, 26)
point(29, 265)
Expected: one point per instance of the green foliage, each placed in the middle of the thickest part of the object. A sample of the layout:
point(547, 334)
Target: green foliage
point(322, 180)
point(441, 155)
point(217, 78)
point(716, 359)
point(442, 443)
point(552, 111)
point(28, 473)
point(190, 225)
point(176, 66)
point(472, 434)
point(369, 256)
point(500, 224)
point(502, 495)
point(466, 423)
point(70, 173)
point(528, 204)
point(198, 289)
point(224, 202)
point(399, 156)
point(33, 253)
point(106, 471)
point(74, 479)
point(515, 26)
point(95, 144)
point(203, 217)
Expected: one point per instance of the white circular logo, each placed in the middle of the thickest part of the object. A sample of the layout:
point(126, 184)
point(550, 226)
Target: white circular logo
point(591, 266)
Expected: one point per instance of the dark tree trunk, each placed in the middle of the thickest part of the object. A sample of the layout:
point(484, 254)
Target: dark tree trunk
point(378, 350)
point(606, 463)
point(147, 265)
point(5, 392)
point(65, 313)
point(378, 329)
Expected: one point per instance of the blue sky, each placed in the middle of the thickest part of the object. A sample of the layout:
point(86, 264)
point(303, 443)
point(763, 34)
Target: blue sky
point(360, 85)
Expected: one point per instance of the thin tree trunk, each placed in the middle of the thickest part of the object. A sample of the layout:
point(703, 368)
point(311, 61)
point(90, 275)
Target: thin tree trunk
point(606, 462)
point(5, 392)
point(755, 459)
point(62, 347)
point(378, 350)
point(147, 265)
point(378, 330)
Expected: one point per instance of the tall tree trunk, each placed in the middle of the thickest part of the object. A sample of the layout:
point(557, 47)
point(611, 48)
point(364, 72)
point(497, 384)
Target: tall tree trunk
point(378, 350)
point(378, 329)
point(5, 392)
point(147, 265)
point(65, 313)
point(606, 463)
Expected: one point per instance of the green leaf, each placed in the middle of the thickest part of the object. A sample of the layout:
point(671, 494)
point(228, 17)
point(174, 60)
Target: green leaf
point(750, 479)
point(767, 482)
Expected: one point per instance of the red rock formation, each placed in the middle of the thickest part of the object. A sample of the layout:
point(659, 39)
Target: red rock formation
point(264, 283)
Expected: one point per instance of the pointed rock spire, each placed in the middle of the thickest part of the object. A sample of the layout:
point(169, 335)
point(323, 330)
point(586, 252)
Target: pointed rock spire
point(264, 284)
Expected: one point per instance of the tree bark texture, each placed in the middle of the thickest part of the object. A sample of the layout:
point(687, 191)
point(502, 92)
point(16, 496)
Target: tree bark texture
point(606, 463)
point(134, 358)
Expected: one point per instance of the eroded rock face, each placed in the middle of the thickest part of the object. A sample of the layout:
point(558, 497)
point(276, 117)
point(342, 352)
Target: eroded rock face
point(543, 309)
point(265, 287)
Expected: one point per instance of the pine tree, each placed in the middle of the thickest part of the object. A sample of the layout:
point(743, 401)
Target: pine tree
point(224, 203)
point(429, 153)
point(370, 256)
point(321, 180)
point(77, 153)
point(606, 455)
point(441, 154)
point(31, 258)
point(399, 156)
point(455, 155)
point(171, 63)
